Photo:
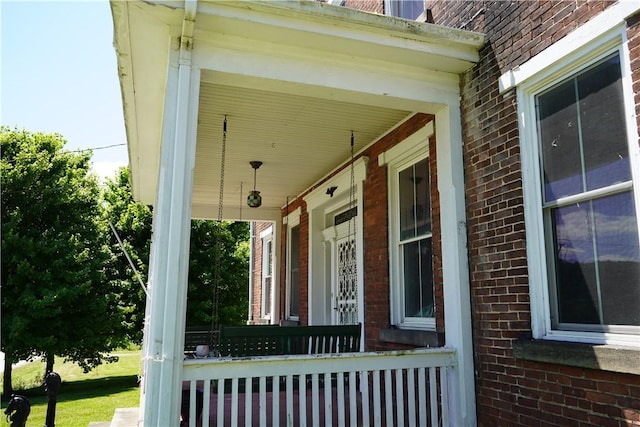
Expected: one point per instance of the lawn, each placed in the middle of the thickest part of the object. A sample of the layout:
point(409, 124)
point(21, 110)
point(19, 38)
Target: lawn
point(83, 398)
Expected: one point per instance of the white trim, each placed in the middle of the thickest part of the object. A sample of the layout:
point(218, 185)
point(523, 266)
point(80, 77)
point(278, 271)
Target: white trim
point(267, 231)
point(319, 204)
point(582, 40)
point(290, 221)
point(411, 150)
point(266, 239)
point(610, 41)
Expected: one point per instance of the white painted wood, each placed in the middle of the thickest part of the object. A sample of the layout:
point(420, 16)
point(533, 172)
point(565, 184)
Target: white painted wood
point(341, 403)
point(289, 389)
point(234, 401)
point(248, 411)
point(303, 400)
point(399, 404)
point(315, 399)
point(263, 401)
point(422, 397)
point(206, 397)
point(455, 271)
point(275, 401)
point(364, 389)
point(192, 404)
point(377, 397)
point(448, 418)
point(411, 397)
point(353, 408)
point(393, 393)
point(388, 397)
point(432, 392)
point(328, 401)
point(220, 395)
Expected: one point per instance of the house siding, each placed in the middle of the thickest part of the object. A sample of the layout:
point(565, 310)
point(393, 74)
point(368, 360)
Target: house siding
point(513, 391)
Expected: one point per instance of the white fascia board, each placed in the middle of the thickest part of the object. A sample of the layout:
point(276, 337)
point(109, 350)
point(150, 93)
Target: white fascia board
point(607, 21)
point(278, 70)
point(351, 24)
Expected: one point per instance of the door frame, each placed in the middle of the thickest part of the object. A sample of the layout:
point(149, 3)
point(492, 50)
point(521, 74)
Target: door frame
point(321, 208)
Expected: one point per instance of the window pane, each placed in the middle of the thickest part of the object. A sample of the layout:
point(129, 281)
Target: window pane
point(408, 9)
point(559, 143)
point(418, 282)
point(582, 132)
point(618, 259)
point(598, 262)
point(267, 295)
point(603, 125)
point(294, 301)
point(415, 204)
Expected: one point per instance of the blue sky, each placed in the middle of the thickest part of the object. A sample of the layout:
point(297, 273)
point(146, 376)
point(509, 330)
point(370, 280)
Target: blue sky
point(59, 75)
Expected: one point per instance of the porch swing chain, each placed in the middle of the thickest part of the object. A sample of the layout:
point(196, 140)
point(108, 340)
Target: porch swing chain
point(352, 191)
point(216, 281)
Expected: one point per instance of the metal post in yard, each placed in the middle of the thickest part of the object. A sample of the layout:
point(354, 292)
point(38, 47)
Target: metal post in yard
point(52, 382)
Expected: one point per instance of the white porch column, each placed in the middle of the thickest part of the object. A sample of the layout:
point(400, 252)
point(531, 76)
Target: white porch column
point(457, 305)
point(163, 355)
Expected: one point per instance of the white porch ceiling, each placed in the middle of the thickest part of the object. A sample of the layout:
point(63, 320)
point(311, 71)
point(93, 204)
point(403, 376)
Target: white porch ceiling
point(299, 139)
point(294, 78)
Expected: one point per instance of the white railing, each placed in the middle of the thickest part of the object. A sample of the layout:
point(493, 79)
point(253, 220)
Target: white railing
point(394, 388)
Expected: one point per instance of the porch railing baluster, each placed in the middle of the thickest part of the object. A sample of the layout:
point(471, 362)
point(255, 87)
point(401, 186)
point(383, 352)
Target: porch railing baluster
point(433, 385)
point(411, 397)
point(382, 388)
point(388, 396)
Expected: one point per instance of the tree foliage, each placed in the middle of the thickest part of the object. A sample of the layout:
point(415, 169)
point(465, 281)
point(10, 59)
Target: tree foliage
point(55, 296)
point(68, 288)
point(132, 222)
point(230, 274)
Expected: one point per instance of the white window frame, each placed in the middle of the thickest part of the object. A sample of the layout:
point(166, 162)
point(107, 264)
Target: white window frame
point(408, 152)
point(391, 11)
point(601, 37)
point(266, 239)
point(290, 221)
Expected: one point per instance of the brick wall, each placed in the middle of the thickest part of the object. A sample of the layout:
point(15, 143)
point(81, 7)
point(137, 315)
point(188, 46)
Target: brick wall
point(376, 239)
point(366, 5)
point(511, 391)
point(376, 243)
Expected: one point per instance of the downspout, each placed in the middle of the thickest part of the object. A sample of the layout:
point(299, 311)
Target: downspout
point(251, 251)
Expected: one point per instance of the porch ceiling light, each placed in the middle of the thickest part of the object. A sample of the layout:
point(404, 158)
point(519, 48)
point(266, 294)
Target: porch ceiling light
point(254, 200)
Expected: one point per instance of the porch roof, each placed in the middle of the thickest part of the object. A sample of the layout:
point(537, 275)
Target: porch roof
point(293, 78)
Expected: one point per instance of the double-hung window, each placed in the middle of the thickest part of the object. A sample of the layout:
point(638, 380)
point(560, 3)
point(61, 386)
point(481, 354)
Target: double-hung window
point(410, 233)
point(267, 273)
point(579, 149)
point(293, 265)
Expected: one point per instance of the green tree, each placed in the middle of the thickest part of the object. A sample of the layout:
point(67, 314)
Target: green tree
point(230, 275)
point(132, 222)
point(55, 297)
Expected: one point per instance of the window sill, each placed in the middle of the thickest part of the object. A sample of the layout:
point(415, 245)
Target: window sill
point(412, 337)
point(591, 356)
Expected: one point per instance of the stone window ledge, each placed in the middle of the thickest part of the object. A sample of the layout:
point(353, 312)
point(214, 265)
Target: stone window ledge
point(591, 356)
point(411, 337)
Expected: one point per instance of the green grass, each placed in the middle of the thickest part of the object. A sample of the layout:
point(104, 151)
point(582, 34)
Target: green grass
point(83, 398)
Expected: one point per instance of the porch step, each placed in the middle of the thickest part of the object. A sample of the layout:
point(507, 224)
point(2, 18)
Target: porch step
point(122, 417)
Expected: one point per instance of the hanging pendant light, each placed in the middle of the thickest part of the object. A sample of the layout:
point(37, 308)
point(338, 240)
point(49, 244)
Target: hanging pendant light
point(254, 200)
